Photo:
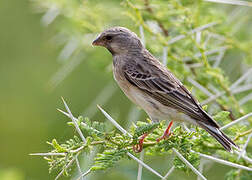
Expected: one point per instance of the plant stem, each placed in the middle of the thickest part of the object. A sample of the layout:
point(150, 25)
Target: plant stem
point(243, 134)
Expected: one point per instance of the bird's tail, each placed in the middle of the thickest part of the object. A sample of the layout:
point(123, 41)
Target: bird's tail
point(225, 141)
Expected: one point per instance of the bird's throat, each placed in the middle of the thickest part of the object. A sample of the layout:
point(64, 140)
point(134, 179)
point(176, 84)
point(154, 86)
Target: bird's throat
point(110, 50)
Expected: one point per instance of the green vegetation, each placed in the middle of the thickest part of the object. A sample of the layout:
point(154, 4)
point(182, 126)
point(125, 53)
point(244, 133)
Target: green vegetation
point(194, 37)
point(114, 146)
point(206, 45)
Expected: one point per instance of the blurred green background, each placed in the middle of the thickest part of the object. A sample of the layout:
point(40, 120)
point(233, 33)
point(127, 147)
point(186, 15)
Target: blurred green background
point(28, 112)
point(28, 115)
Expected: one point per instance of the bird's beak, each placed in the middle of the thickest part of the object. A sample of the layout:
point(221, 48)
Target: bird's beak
point(97, 42)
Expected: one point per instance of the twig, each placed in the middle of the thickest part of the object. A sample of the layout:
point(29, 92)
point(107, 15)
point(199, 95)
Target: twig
point(160, 24)
point(208, 93)
point(246, 158)
point(245, 99)
point(195, 65)
point(232, 2)
point(68, 49)
point(207, 40)
point(125, 132)
point(165, 55)
point(182, 36)
point(221, 161)
point(201, 167)
point(241, 79)
point(199, 86)
point(232, 91)
point(209, 52)
point(236, 121)
point(62, 171)
point(242, 88)
point(47, 154)
point(140, 166)
point(169, 172)
point(219, 58)
point(78, 166)
point(144, 165)
point(74, 122)
point(120, 128)
point(198, 37)
point(243, 151)
point(188, 164)
point(212, 98)
point(142, 34)
point(217, 36)
point(84, 174)
point(50, 15)
point(243, 134)
point(82, 123)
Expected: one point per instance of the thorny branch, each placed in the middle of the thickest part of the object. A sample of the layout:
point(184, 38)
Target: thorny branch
point(150, 144)
point(149, 9)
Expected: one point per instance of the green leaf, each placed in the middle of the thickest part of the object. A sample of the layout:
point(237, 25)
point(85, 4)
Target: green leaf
point(145, 128)
point(221, 116)
point(108, 159)
point(57, 146)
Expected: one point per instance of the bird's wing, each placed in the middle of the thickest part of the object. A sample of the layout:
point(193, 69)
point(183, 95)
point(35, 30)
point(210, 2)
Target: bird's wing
point(165, 88)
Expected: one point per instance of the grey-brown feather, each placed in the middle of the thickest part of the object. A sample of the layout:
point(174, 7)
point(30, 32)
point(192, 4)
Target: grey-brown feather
point(152, 86)
point(155, 80)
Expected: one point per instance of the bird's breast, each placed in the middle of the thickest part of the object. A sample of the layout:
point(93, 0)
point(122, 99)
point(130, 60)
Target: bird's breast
point(152, 107)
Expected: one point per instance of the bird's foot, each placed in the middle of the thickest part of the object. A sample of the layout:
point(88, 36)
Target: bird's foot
point(167, 132)
point(137, 148)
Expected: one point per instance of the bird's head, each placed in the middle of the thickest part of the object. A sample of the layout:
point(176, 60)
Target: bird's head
point(118, 40)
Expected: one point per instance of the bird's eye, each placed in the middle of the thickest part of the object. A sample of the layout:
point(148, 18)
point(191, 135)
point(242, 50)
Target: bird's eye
point(108, 37)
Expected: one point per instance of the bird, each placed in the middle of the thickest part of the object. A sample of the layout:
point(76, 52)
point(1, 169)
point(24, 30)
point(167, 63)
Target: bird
point(151, 86)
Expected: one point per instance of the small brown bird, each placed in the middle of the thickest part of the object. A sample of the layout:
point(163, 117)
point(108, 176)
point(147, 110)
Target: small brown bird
point(150, 85)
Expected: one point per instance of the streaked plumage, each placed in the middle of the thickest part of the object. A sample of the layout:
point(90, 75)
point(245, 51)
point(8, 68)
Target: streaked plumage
point(152, 86)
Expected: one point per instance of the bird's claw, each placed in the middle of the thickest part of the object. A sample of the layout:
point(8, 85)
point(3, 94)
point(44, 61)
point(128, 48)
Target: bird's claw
point(165, 136)
point(167, 132)
point(137, 148)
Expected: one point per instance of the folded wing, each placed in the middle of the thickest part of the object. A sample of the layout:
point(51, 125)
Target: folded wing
point(160, 84)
